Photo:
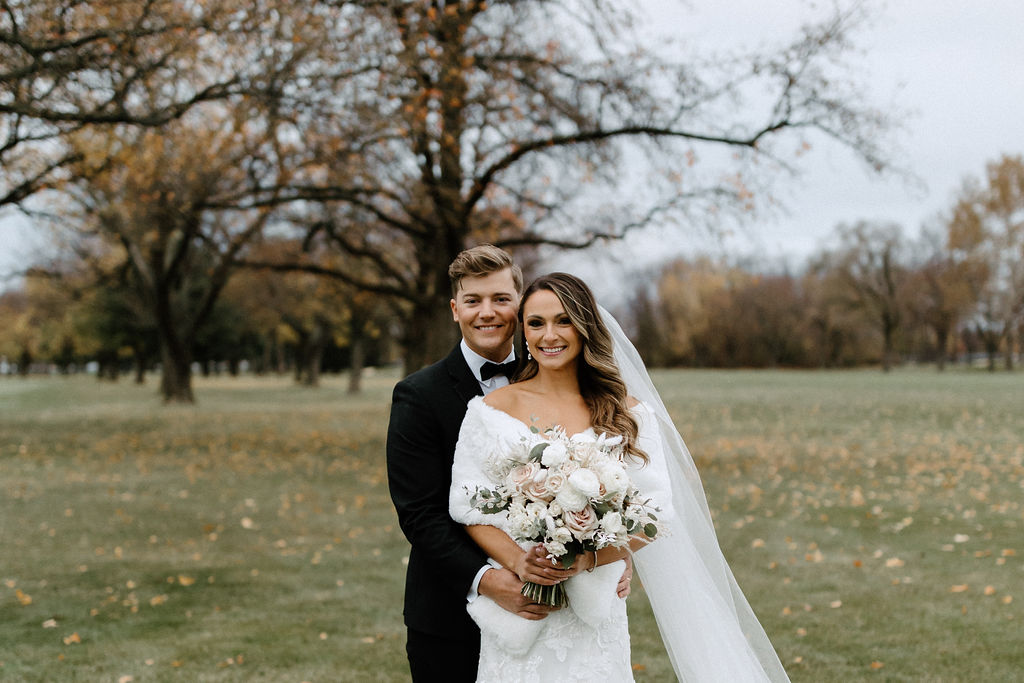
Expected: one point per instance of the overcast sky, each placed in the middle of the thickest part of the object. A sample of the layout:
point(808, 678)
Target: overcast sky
point(955, 67)
point(958, 66)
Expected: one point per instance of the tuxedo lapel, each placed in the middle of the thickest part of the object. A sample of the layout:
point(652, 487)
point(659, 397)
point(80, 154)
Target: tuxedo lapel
point(466, 385)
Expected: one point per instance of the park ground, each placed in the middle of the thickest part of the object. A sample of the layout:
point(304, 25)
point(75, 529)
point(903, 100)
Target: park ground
point(874, 521)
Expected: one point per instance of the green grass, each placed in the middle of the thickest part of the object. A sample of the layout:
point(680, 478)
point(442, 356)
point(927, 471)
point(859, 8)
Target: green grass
point(252, 537)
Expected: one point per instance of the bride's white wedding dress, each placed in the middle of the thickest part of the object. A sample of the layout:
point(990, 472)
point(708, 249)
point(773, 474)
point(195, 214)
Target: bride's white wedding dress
point(708, 629)
point(587, 641)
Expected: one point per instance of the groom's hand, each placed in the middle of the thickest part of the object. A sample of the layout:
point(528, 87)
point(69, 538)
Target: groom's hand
point(505, 588)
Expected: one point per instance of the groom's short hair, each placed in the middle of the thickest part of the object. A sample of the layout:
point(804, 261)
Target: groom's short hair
point(482, 260)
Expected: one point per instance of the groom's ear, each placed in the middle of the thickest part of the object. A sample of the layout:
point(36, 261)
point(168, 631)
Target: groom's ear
point(455, 314)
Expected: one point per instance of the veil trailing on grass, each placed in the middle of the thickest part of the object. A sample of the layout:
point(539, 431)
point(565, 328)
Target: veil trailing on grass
point(706, 624)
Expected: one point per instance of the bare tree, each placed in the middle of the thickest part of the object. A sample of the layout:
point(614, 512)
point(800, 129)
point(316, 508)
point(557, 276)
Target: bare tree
point(940, 294)
point(69, 65)
point(867, 272)
point(525, 122)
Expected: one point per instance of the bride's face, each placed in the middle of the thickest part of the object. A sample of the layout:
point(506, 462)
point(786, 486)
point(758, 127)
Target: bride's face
point(550, 335)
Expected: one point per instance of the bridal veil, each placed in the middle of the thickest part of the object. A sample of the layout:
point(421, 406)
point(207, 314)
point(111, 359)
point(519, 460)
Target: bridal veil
point(708, 628)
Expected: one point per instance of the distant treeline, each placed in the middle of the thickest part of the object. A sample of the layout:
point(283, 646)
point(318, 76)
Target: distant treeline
point(873, 296)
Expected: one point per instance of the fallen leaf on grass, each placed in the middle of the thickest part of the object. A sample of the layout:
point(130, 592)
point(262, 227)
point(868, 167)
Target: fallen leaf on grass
point(877, 665)
point(639, 667)
point(24, 598)
point(126, 679)
point(958, 588)
point(1007, 599)
point(894, 562)
point(835, 604)
point(185, 580)
point(815, 557)
point(990, 590)
point(74, 638)
point(50, 623)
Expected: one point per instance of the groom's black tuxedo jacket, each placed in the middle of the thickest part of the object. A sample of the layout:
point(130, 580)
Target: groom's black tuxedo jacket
point(426, 413)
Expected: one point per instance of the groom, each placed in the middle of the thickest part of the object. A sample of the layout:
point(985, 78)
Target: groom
point(446, 568)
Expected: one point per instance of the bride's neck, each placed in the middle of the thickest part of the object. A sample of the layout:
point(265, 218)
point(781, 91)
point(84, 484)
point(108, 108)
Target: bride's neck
point(562, 382)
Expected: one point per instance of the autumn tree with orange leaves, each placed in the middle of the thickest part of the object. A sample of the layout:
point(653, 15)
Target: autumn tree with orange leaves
point(986, 237)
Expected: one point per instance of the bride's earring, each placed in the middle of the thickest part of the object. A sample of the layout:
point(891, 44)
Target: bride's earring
point(528, 356)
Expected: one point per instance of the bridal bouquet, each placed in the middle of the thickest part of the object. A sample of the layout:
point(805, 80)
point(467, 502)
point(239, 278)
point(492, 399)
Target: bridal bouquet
point(573, 495)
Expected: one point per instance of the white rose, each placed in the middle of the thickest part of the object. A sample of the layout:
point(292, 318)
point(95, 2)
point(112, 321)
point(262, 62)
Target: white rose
point(568, 467)
point(554, 455)
point(555, 481)
point(614, 478)
point(612, 522)
point(571, 499)
point(555, 548)
point(521, 523)
point(586, 482)
point(562, 535)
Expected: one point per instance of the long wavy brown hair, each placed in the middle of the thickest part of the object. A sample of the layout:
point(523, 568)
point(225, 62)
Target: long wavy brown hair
point(601, 385)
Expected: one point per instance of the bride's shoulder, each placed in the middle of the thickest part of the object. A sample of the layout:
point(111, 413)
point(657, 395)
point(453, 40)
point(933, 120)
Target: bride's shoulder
point(504, 398)
point(638, 408)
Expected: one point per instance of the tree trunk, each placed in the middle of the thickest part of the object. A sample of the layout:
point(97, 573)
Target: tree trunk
point(942, 342)
point(176, 378)
point(357, 357)
point(140, 365)
point(430, 333)
point(24, 363)
point(280, 362)
point(991, 343)
point(887, 336)
point(313, 346)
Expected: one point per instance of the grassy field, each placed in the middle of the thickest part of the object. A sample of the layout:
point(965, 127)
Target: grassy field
point(875, 523)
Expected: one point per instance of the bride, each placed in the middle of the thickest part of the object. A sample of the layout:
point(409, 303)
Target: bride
point(583, 375)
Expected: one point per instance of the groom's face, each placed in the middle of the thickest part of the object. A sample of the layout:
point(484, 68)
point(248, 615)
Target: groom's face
point(485, 309)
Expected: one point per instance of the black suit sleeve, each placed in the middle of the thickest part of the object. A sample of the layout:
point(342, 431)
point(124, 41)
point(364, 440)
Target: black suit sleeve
point(419, 461)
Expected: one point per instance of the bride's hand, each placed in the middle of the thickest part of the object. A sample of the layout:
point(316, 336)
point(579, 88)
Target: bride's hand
point(535, 566)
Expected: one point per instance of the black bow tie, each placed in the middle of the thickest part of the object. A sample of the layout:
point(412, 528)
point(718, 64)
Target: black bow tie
point(489, 369)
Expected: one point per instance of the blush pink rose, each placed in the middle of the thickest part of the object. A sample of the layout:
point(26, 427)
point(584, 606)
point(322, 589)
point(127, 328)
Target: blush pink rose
point(582, 523)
